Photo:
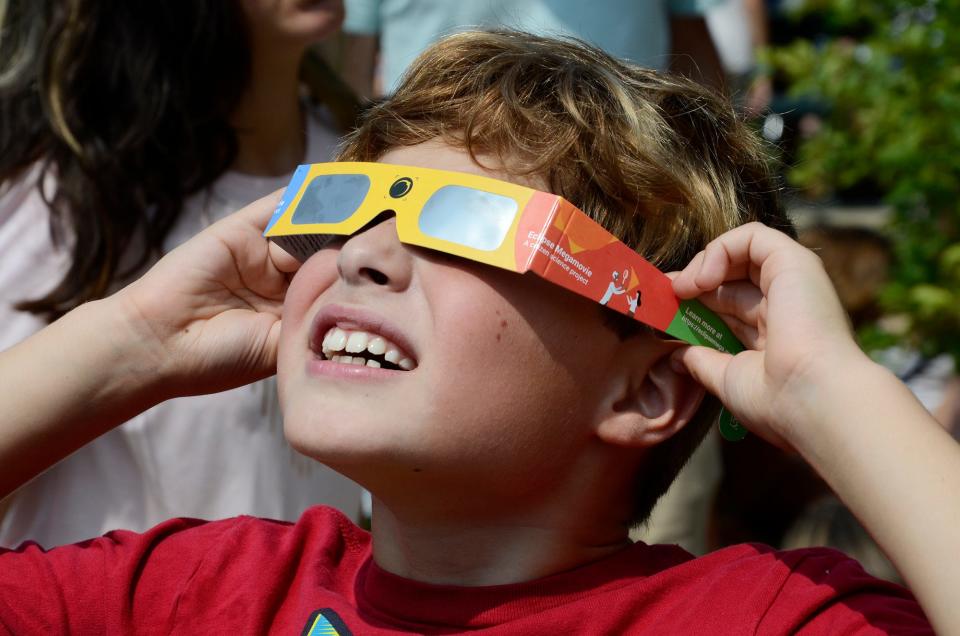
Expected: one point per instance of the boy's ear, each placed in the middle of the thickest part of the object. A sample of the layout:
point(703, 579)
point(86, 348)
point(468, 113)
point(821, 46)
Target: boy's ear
point(648, 402)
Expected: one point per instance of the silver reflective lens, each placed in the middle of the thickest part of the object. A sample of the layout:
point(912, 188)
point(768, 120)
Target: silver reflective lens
point(469, 217)
point(331, 198)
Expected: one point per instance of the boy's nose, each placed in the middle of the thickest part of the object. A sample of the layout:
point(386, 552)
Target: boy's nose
point(375, 256)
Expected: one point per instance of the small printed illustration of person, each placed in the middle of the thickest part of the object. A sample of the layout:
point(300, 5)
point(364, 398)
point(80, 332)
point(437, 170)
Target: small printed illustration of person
point(634, 303)
point(614, 287)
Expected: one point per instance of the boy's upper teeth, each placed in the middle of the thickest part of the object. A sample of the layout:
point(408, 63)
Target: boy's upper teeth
point(340, 340)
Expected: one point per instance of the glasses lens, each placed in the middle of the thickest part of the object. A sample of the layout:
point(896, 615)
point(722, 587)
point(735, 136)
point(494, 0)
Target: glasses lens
point(331, 198)
point(469, 217)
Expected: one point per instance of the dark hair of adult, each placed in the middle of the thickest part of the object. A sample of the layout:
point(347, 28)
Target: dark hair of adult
point(127, 106)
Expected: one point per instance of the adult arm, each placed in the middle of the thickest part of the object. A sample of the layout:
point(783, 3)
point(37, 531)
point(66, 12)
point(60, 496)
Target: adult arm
point(206, 318)
point(693, 53)
point(805, 385)
point(361, 44)
point(760, 93)
point(360, 63)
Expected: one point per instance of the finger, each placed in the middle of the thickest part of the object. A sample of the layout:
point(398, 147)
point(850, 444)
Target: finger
point(707, 366)
point(282, 260)
point(684, 281)
point(710, 367)
point(261, 211)
point(747, 334)
point(755, 247)
point(729, 257)
point(738, 299)
point(269, 361)
point(706, 271)
point(734, 256)
point(259, 214)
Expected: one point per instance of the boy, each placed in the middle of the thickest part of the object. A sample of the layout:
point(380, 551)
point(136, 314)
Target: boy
point(522, 429)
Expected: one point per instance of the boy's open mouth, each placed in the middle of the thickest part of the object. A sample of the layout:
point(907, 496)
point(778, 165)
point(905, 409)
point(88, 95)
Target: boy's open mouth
point(364, 349)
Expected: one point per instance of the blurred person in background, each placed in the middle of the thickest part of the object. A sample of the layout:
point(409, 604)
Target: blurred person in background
point(740, 30)
point(384, 36)
point(125, 129)
point(859, 261)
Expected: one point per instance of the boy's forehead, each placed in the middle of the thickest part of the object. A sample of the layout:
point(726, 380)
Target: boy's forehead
point(439, 155)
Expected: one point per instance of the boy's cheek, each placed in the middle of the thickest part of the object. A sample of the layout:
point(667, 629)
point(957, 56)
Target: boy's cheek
point(294, 307)
point(312, 279)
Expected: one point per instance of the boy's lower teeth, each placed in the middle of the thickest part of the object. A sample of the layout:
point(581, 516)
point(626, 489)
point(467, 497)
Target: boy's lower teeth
point(356, 360)
point(361, 361)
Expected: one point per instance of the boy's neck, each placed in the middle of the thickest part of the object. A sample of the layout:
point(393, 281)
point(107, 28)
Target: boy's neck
point(269, 119)
point(496, 551)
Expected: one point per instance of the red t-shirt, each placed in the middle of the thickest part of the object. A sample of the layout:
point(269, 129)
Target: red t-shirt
point(253, 576)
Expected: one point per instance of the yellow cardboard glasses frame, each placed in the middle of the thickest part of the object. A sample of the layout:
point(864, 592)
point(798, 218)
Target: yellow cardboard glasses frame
point(496, 223)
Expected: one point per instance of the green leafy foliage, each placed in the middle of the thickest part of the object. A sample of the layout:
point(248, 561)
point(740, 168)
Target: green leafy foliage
point(892, 94)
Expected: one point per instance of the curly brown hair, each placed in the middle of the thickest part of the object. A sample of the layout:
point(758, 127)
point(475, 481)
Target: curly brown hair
point(660, 161)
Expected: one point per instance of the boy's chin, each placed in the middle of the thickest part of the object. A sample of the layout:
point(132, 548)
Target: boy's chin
point(314, 438)
point(340, 443)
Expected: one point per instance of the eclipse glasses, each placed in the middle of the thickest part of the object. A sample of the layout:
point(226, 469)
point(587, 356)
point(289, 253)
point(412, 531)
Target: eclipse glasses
point(496, 223)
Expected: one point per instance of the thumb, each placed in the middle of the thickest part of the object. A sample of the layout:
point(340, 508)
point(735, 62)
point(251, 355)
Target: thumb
point(707, 366)
point(263, 362)
point(273, 347)
point(740, 389)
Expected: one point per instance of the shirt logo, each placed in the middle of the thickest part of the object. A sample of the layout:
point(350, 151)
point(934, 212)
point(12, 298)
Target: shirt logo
point(325, 622)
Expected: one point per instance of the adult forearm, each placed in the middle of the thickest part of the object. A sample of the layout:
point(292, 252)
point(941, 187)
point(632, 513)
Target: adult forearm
point(359, 64)
point(899, 472)
point(693, 53)
point(757, 16)
point(66, 385)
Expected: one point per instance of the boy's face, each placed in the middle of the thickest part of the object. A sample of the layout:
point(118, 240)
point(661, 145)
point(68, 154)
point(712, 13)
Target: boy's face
point(508, 370)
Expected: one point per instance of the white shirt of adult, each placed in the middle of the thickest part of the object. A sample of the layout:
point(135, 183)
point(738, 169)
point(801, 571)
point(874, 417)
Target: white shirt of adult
point(208, 456)
point(635, 30)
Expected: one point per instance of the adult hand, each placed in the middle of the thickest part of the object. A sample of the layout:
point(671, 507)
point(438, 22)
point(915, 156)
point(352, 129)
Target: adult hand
point(208, 314)
point(777, 298)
